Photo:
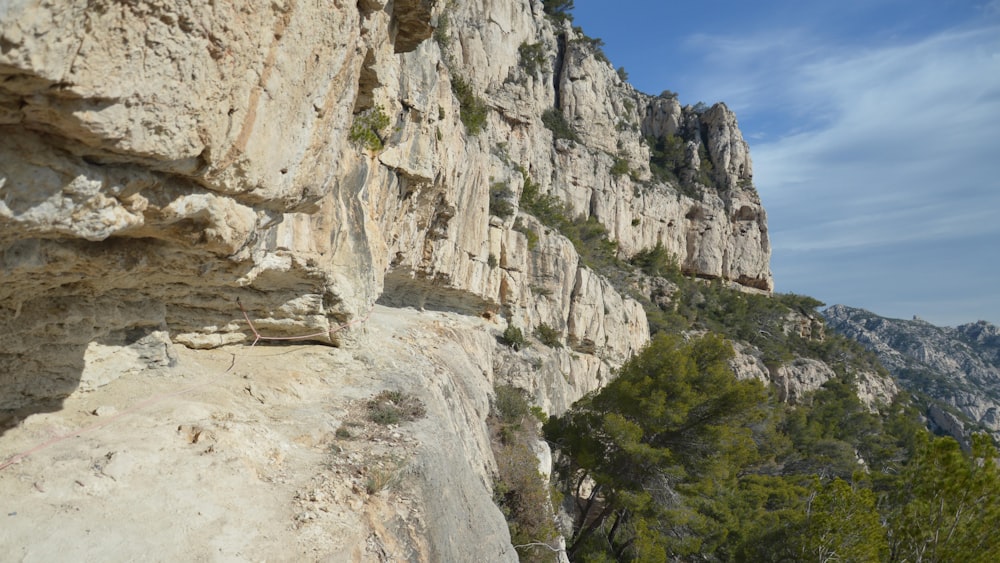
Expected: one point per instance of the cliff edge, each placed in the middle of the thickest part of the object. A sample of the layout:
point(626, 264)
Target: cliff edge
point(171, 173)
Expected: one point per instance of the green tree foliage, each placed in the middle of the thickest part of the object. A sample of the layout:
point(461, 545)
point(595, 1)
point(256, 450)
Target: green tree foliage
point(532, 57)
point(513, 337)
point(828, 433)
point(519, 489)
point(368, 129)
point(555, 121)
point(842, 524)
point(500, 200)
point(946, 506)
point(472, 108)
point(667, 157)
point(660, 443)
point(620, 167)
point(548, 336)
point(558, 9)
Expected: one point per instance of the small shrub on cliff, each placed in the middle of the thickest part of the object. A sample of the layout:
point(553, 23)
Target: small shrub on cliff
point(547, 208)
point(510, 405)
point(500, 200)
point(512, 337)
point(558, 10)
point(442, 33)
point(393, 407)
point(472, 108)
point(532, 58)
point(657, 262)
point(595, 44)
point(555, 121)
point(519, 489)
point(666, 157)
point(366, 131)
point(531, 235)
point(382, 475)
point(620, 167)
point(548, 336)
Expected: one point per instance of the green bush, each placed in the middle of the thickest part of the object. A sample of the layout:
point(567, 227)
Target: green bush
point(513, 337)
point(666, 157)
point(520, 492)
point(657, 262)
point(555, 121)
point(393, 407)
point(532, 58)
point(500, 200)
point(511, 404)
point(558, 10)
point(442, 33)
point(548, 336)
point(531, 235)
point(594, 44)
point(472, 108)
point(366, 131)
point(548, 209)
point(620, 167)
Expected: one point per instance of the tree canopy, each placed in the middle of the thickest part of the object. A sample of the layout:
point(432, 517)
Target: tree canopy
point(675, 420)
point(676, 459)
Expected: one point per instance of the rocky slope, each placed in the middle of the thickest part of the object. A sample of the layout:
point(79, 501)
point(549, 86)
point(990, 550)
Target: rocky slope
point(959, 366)
point(161, 162)
point(239, 454)
point(164, 166)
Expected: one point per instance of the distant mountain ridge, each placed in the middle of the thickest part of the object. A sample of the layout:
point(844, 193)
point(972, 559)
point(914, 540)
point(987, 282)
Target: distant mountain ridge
point(959, 366)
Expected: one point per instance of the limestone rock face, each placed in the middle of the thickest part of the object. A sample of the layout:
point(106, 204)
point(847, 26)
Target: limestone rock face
point(159, 162)
point(801, 377)
point(958, 366)
point(205, 174)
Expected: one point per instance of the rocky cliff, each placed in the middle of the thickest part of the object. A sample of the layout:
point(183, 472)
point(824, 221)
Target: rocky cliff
point(165, 166)
point(958, 366)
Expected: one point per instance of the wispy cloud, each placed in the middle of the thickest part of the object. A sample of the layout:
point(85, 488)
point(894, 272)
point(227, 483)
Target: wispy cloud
point(874, 128)
point(865, 153)
point(909, 132)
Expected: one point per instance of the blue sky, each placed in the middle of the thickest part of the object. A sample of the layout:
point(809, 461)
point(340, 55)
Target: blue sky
point(874, 128)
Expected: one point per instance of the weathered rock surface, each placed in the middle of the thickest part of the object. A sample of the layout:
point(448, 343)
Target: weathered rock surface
point(165, 167)
point(958, 366)
point(268, 453)
point(172, 160)
point(795, 380)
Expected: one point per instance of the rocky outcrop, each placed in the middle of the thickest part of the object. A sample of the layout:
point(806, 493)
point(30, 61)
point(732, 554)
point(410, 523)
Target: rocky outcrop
point(958, 366)
point(172, 172)
point(166, 161)
point(801, 377)
point(161, 161)
point(797, 377)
